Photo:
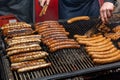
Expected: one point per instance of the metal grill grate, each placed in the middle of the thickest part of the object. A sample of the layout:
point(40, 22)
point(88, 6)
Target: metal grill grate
point(66, 62)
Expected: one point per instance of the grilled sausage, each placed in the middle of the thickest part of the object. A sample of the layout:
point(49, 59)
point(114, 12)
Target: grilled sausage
point(84, 36)
point(18, 51)
point(50, 42)
point(28, 56)
point(45, 41)
point(18, 32)
point(63, 46)
point(97, 56)
point(21, 47)
point(79, 36)
point(50, 29)
point(90, 43)
point(93, 41)
point(104, 52)
point(100, 49)
point(23, 37)
point(77, 19)
point(24, 40)
point(14, 25)
point(15, 66)
point(28, 36)
point(107, 60)
point(29, 68)
point(54, 36)
point(69, 42)
point(54, 33)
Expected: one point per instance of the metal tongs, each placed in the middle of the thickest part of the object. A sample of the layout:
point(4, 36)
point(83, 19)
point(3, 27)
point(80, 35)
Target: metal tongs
point(90, 32)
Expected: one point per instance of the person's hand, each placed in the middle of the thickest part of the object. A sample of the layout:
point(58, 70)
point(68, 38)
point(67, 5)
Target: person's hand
point(43, 2)
point(106, 11)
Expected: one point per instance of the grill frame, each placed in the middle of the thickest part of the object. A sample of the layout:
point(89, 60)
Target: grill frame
point(64, 75)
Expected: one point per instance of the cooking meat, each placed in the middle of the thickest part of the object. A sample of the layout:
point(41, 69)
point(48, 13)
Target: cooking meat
point(15, 66)
point(28, 49)
point(63, 47)
point(29, 68)
point(28, 56)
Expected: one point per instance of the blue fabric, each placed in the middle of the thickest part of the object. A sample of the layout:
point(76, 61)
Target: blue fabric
point(23, 9)
point(3, 2)
point(73, 8)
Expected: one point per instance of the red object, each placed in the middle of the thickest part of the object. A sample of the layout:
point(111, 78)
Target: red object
point(51, 13)
point(7, 19)
point(101, 2)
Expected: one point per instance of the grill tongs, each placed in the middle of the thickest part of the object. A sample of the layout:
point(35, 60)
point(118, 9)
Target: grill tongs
point(94, 29)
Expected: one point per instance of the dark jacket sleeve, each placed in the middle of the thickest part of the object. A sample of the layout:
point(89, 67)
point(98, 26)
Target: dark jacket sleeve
point(112, 1)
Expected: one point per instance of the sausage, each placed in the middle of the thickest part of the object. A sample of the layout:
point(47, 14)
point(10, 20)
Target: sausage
point(54, 33)
point(28, 56)
point(97, 56)
point(50, 42)
point(19, 32)
point(104, 52)
point(23, 44)
point(24, 40)
point(29, 68)
point(45, 41)
point(53, 36)
point(16, 31)
point(90, 38)
point(77, 19)
point(14, 25)
point(80, 36)
point(42, 27)
point(49, 26)
point(63, 47)
point(63, 43)
point(107, 60)
point(93, 41)
point(100, 49)
point(18, 51)
point(15, 66)
point(23, 37)
point(20, 47)
point(50, 29)
point(17, 26)
point(90, 43)
point(28, 36)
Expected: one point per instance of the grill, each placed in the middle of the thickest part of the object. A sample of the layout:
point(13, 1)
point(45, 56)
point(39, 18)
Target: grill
point(66, 63)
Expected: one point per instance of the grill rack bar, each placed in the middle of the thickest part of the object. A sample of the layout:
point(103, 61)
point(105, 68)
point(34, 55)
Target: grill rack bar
point(81, 72)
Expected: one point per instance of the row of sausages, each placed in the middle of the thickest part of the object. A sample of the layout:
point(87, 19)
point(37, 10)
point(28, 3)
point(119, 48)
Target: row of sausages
point(24, 51)
point(100, 49)
point(55, 36)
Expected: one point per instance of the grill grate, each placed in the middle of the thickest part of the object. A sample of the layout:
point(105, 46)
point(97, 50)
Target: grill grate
point(65, 61)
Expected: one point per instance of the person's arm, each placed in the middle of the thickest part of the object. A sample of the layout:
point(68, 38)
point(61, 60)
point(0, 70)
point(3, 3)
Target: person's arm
point(43, 2)
point(107, 9)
